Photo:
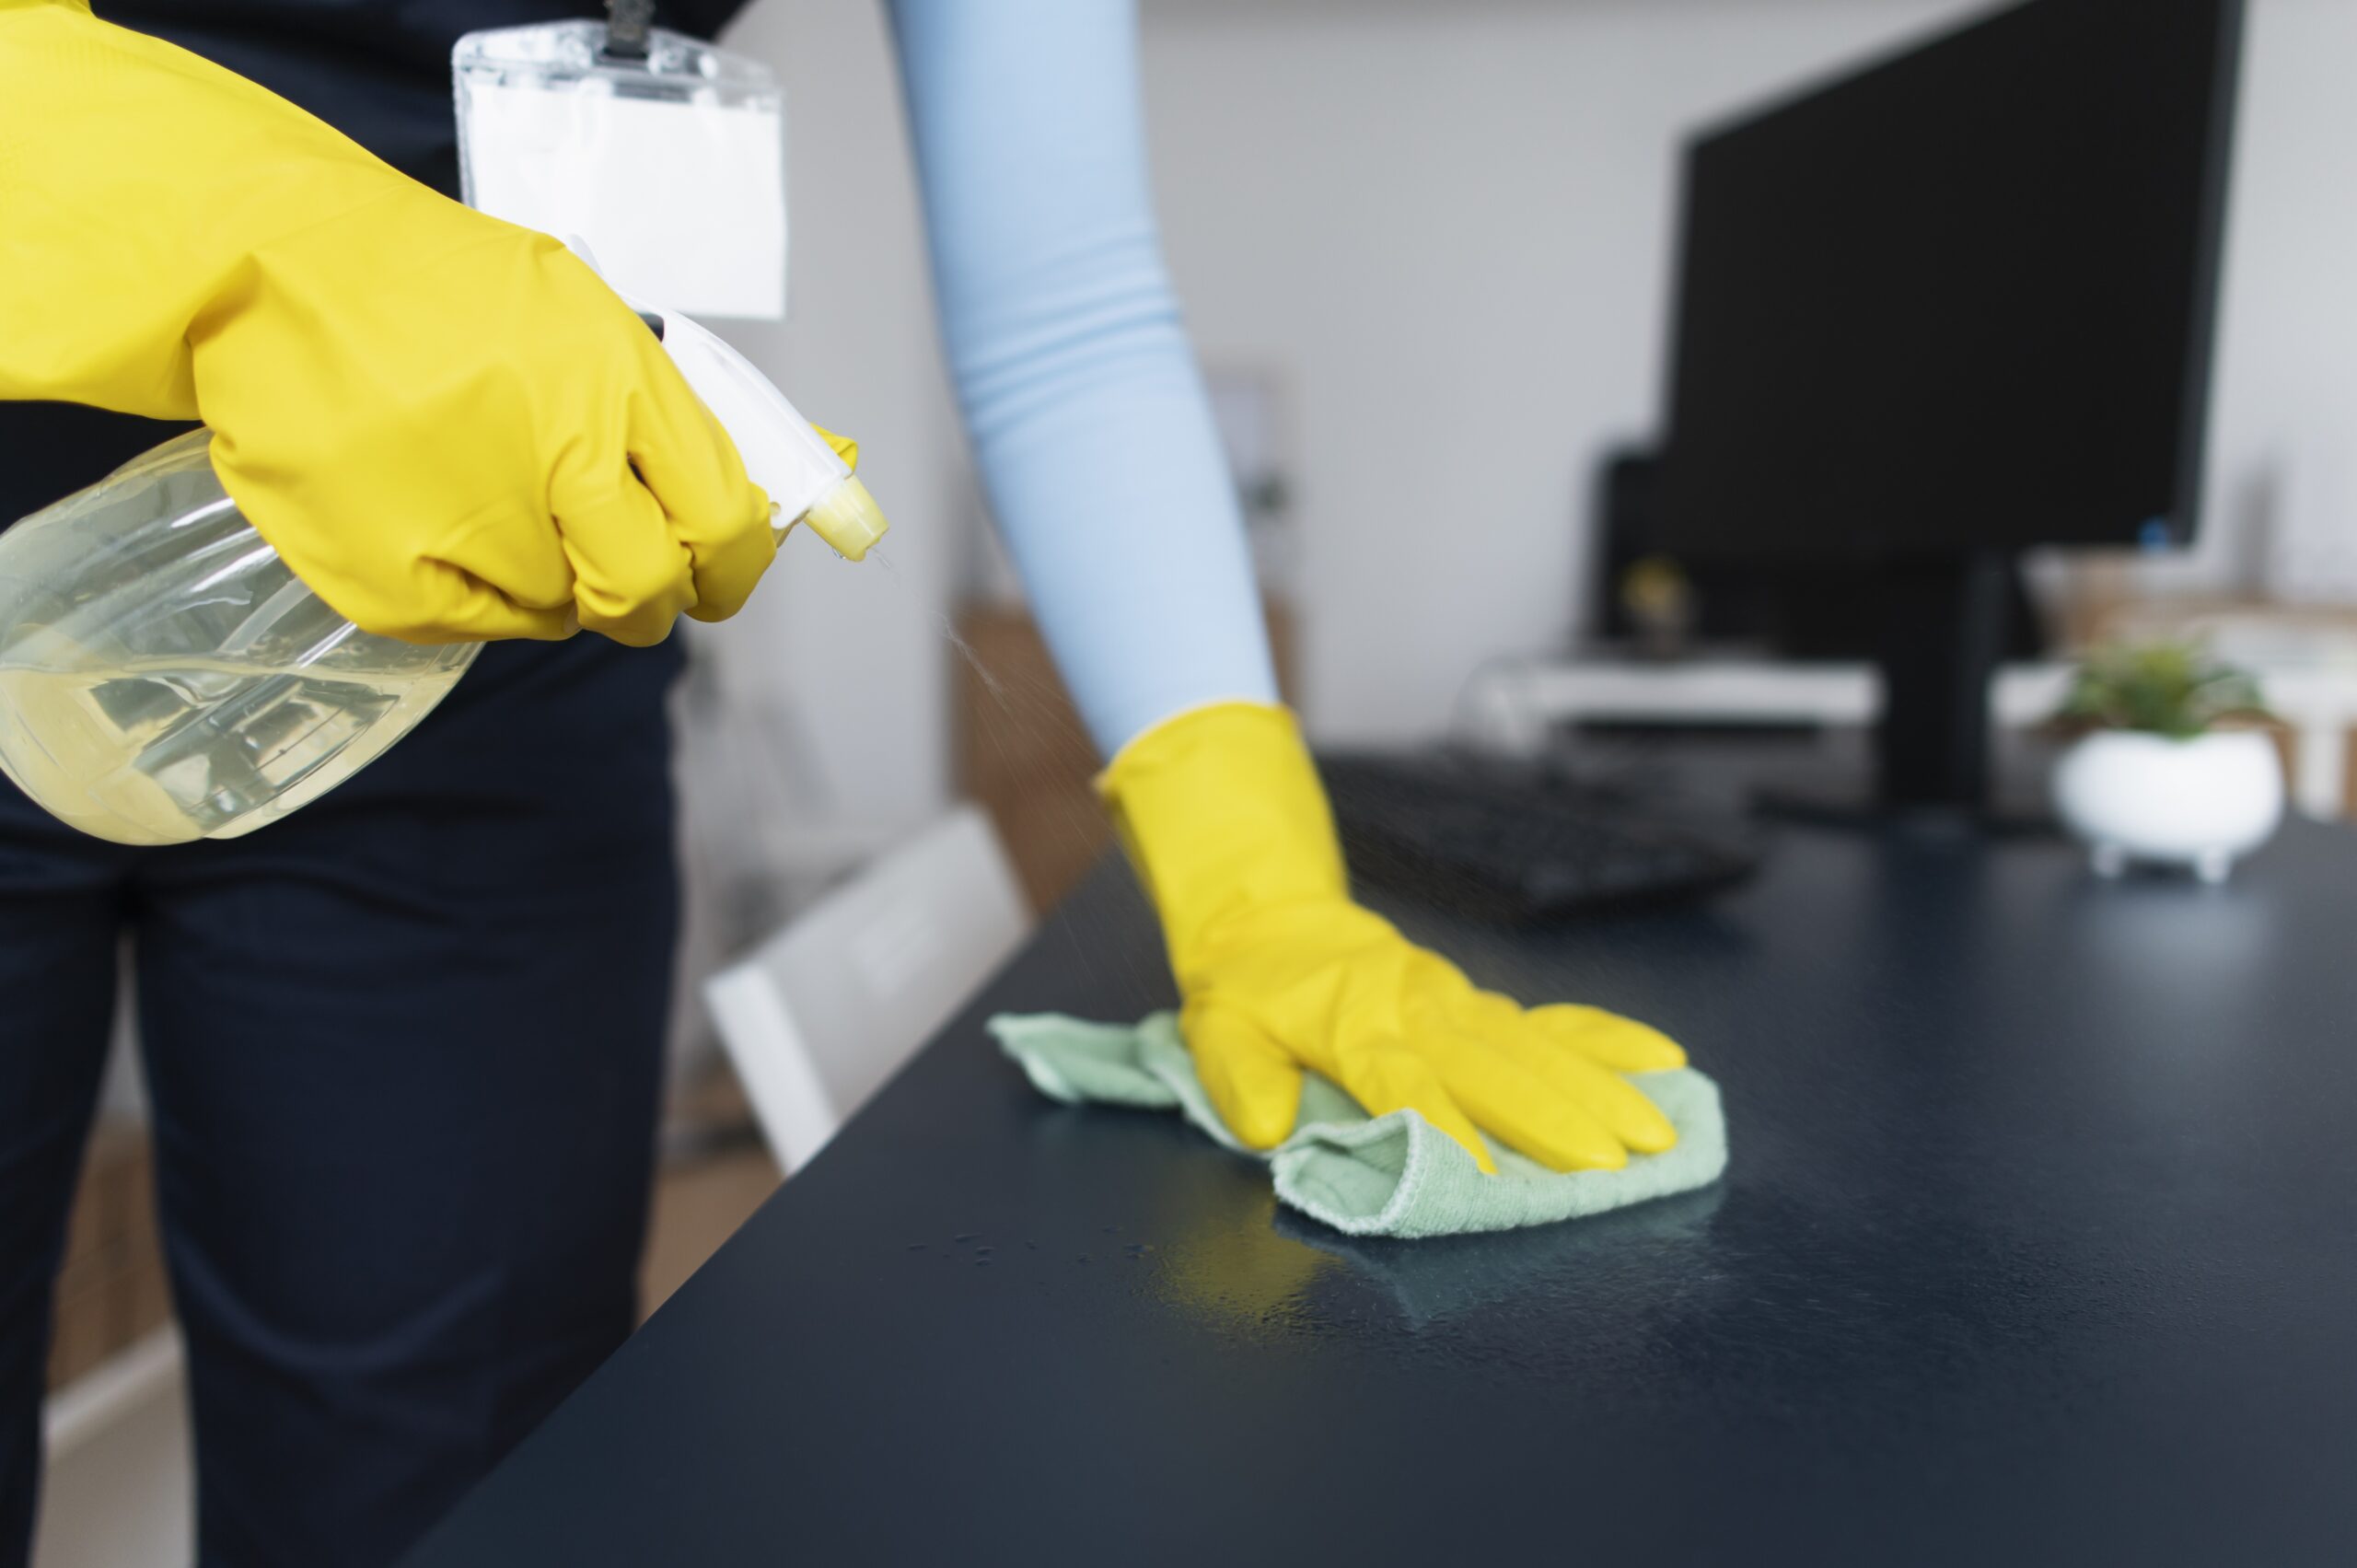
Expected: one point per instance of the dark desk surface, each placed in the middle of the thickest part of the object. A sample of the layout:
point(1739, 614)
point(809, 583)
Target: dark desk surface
point(2038, 1246)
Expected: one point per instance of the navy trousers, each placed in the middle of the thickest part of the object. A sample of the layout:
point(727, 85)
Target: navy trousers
point(403, 1049)
point(403, 1046)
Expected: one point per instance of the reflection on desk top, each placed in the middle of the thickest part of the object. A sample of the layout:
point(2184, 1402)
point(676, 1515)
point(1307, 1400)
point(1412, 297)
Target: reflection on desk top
point(2038, 1246)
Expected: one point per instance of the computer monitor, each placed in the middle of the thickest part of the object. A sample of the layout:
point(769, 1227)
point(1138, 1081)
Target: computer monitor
point(1791, 609)
point(1950, 306)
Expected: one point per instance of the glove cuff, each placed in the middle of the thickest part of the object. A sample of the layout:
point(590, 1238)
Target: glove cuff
point(1221, 813)
point(141, 182)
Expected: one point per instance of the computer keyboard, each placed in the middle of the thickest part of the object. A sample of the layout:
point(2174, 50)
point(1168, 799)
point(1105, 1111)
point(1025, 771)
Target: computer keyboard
point(1518, 842)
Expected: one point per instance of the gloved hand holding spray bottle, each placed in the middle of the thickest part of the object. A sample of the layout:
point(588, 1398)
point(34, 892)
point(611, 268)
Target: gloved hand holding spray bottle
point(479, 442)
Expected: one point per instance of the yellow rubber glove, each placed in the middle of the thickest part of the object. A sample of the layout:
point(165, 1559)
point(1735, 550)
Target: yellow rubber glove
point(450, 428)
point(1222, 816)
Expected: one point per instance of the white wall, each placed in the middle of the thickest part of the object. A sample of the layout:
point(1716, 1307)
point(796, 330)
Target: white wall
point(2283, 487)
point(1450, 227)
point(857, 650)
point(1447, 226)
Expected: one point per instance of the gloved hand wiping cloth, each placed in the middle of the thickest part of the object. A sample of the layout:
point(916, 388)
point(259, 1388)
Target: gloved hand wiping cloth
point(1279, 971)
point(1386, 1176)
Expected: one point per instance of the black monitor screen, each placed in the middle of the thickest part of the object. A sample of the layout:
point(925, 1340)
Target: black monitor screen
point(1960, 300)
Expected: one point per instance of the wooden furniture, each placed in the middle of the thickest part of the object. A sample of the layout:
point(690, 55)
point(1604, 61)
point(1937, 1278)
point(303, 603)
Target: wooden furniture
point(110, 1286)
point(1023, 756)
point(1513, 706)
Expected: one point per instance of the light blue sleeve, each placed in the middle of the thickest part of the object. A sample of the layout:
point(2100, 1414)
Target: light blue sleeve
point(1082, 397)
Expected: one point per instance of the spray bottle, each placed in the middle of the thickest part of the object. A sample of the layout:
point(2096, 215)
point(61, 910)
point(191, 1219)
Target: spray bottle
point(164, 675)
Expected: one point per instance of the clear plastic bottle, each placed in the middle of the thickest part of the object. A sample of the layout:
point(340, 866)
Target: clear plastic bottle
point(163, 675)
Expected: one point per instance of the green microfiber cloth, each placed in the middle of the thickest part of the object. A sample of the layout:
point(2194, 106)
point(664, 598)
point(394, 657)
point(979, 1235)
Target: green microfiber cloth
point(1393, 1175)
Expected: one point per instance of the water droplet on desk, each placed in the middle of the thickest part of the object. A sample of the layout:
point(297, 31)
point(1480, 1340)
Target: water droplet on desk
point(916, 1245)
point(969, 1236)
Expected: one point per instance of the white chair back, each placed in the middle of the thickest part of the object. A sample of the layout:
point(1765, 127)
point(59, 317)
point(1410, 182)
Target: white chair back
point(818, 1016)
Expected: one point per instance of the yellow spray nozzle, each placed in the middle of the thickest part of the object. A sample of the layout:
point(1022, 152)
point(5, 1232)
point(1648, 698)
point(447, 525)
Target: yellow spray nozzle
point(847, 519)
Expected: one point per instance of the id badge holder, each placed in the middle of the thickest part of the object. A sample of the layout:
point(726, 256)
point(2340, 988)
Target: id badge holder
point(665, 155)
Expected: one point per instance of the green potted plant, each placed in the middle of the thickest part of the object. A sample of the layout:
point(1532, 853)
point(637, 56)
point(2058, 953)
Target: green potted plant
point(2170, 766)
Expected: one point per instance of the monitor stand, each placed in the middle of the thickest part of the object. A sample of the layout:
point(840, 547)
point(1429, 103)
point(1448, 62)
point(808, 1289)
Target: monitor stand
point(1942, 637)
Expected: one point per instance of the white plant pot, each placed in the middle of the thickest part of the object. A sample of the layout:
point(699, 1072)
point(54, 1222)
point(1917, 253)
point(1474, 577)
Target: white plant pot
point(2201, 803)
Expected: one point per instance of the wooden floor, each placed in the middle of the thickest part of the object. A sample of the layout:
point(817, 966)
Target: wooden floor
point(714, 1174)
point(699, 1203)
